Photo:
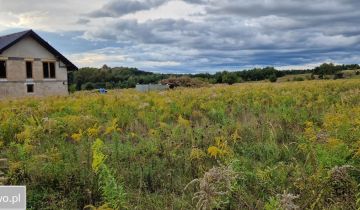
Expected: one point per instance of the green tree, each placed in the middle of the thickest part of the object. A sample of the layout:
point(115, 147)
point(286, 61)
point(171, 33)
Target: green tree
point(273, 78)
point(229, 78)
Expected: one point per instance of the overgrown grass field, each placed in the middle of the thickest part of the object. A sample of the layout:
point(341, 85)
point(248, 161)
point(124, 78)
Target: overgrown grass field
point(248, 146)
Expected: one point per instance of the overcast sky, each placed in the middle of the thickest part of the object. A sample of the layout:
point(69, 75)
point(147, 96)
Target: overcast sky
point(192, 35)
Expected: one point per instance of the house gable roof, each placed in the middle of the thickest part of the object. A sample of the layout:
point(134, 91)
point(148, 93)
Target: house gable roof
point(9, 40)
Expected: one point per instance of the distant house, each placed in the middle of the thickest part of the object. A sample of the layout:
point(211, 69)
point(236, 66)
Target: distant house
point(29, 66)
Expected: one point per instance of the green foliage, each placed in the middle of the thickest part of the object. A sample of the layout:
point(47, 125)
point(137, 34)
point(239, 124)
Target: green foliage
point(138, 151)
point(88, 86)
point(335, 156)
point(339, 75)
point(119, 77)
point(98, 156)
point(229, 78)
point(72, 88)
point(272, 204)
point(112, 192)
point(123, 77)
point(358, 198)
point(273, 78)
point(331, 69)
point(299, 79)
point(183, 81)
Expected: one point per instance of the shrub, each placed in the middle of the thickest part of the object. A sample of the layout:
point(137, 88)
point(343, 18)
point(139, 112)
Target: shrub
point(109, 85)
point(339, 76)
point(88, 86)
point(229, 78)
point(72, 88)
point(298, 79)
point(273, 78)
point(184, 81)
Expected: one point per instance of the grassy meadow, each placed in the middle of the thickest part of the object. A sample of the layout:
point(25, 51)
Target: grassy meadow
point(249, 146)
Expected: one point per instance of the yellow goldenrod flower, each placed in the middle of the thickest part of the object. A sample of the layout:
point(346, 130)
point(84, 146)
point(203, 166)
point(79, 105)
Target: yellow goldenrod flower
point(93, 132)
point(214, 151)
point(77, 136)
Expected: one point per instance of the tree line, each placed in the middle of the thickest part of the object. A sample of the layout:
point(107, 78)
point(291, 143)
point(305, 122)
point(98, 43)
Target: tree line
point(123, 77)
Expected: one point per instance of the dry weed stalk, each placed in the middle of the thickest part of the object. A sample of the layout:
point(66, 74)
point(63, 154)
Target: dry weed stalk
point(287, 201)
point(214, 184)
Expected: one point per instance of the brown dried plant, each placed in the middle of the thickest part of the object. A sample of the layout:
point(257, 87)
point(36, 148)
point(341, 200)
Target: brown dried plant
point(213, 186)
point(287, 201)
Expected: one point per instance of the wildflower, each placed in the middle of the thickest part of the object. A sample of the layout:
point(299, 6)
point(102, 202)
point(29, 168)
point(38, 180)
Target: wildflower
point(77, 136)
point(214, 151)
point(113, 127)
point(93, 132)
point(25, 135)
point(98, 156)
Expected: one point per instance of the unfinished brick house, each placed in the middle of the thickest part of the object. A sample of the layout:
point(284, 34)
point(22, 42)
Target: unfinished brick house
point(29, 66)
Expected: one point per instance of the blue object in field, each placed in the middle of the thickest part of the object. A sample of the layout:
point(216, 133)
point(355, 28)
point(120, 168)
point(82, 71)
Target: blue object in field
point(102, 90)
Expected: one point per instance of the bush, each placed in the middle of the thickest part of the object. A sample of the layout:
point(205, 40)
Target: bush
point(273, 78)
point(229, 78)
point(298, 79)
point(72, 88)
point(88, 86)
point(109, 85)
point(184, 81)
point(339, 76)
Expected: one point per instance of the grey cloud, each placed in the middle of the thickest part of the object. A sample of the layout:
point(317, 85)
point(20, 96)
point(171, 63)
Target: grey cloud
point(234, 40)
point(282, 7)
point(226, 33)
point(197, 1)
point(117, 8)
point(162, 31)
point(82, 21)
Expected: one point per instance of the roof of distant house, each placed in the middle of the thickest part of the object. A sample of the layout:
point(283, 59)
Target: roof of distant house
point(9, 40)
